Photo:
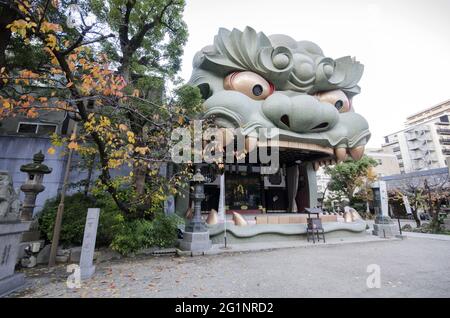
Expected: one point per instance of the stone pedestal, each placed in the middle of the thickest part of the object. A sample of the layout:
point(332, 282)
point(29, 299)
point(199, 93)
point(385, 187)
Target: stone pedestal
point(447, 223)
point(33, 234)
point(195, 242)
point(10, 236)
point(385, 227)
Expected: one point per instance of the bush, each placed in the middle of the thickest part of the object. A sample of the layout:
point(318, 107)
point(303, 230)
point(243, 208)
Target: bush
point(137, 234)
point(165, 230)
point(124, 236)
point(74, 219)
point(359, 206)
point(407, 228)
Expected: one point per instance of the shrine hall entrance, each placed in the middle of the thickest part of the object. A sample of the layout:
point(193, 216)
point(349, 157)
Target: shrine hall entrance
point(247, 191)
point(244, 192)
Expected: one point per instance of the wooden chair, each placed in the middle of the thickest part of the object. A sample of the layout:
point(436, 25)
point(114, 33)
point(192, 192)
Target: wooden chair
point(314, 226)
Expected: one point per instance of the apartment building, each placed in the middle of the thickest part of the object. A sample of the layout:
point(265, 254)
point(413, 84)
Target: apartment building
point(435, 111)
point(387, 162)
point(425, 142)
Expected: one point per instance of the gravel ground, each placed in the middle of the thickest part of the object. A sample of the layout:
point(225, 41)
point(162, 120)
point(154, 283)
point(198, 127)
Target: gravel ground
point(414, 267)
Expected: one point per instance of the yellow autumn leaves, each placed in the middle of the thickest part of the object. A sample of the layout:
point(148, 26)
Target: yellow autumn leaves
point(20, 26)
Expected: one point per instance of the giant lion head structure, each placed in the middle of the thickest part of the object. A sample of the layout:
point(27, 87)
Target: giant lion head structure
point(250, 80)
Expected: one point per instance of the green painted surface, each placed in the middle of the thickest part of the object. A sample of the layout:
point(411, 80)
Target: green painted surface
point(298, 70)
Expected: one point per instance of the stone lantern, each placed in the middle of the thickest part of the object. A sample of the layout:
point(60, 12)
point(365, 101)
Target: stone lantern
point(33, 184)
point(196, 234)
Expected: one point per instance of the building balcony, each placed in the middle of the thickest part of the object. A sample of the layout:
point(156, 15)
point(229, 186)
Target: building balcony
point(443, 131)
point(425, 138)
point(444, 141)
point(446, 151)
point(416, 157)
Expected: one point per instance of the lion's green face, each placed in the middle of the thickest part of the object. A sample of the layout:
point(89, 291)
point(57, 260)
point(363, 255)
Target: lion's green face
point(250, 81)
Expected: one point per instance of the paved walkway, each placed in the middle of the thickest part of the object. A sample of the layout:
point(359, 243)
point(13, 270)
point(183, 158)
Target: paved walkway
point(267, 246)
point(441, 237)
point(414, 267)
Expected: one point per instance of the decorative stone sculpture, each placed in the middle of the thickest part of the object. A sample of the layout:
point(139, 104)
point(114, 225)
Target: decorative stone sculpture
point(239, 220)
point(213, 217)
point(355, 215)
point(347, 217)
point(9, 200)
point(256, 82)
point(11, 229)
point(351, 215)
point(250, 80)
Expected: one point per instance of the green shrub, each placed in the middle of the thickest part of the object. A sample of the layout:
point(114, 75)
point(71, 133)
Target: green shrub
point(138, 234)
point(124, 236)
point(74, 219)
point(359, 206)
point(132, 236)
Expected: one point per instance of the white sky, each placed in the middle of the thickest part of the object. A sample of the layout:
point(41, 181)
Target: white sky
point(403, 44)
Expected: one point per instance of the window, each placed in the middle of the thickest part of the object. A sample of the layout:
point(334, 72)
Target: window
point(27, 128)
point(46, 129)
point(386, 140)
point(36, 128)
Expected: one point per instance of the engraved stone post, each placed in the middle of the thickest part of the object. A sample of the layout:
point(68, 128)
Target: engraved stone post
point(383, 226)
point(87, 267)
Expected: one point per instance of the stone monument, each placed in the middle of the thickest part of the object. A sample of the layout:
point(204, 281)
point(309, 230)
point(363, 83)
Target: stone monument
point(196, 234)
point(383, 226)
point(87, 268)
point(11, 229)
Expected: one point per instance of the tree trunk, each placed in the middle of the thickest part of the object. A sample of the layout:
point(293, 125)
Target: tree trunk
point(139, 175)
point(7, 16)
point(435, 226)
point(89, 176)
point(416, 217)
point(5, 36)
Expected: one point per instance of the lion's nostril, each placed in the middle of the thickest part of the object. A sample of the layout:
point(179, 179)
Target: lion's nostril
point(285, 120)
point(322, 125)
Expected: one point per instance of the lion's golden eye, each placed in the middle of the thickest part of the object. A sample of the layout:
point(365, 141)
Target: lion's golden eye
point(336, 98)
point(249, 83)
